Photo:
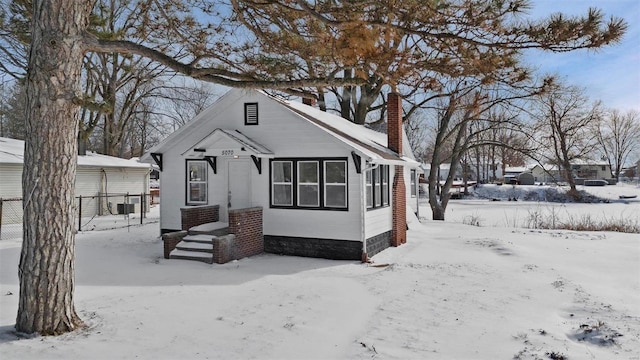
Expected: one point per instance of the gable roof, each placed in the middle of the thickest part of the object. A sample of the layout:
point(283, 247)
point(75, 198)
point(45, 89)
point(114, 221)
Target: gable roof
point(12, 152)
point(370, 143)
point(367, 142)
point(237, 137)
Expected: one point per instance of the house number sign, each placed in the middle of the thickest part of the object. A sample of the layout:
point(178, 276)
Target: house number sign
point(227, 152)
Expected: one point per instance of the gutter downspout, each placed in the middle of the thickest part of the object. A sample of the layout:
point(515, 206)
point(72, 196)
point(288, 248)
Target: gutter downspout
point(363, 209)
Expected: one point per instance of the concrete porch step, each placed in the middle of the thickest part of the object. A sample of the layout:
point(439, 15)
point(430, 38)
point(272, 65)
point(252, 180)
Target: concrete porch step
point(218, 228)
point(191, 255)
point(201, 238)
point(196, 246)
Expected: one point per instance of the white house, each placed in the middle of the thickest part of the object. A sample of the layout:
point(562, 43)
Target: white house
point(580, 169)
point(324, 187)
point(102, 181)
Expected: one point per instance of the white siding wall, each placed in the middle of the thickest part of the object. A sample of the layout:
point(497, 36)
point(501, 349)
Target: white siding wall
point(10, 180)
point(88, 183)
point(172, 190)
point(112, 181)
point(287, 136)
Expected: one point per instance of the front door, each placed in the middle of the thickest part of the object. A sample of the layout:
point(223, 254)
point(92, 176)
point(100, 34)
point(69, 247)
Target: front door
point(239, 181)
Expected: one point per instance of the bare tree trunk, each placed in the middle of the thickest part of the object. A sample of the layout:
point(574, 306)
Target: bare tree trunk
point(46, 269)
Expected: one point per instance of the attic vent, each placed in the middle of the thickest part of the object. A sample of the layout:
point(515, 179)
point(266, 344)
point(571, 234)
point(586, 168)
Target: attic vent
point(251, 113)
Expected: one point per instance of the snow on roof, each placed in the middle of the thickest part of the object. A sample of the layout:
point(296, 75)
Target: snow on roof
point(515, 169)
point(12, 152)
point(589, 162)
point(367, 141)
point(427, 166)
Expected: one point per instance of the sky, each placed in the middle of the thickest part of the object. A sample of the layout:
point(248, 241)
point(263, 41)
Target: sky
point(611, 74)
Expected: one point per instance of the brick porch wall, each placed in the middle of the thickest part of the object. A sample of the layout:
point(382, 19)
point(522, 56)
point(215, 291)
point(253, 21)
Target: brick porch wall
point(170, 241)
point(399, 229)
point(224, 249)
point(198, 215)
point(246, 225)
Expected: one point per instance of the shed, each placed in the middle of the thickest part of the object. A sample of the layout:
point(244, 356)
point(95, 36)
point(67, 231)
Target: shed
point(526, 178)
point(102, 181)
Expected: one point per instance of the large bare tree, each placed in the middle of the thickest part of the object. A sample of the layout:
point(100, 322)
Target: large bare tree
point(563, 120)
point(209, 48)
point(618, 136)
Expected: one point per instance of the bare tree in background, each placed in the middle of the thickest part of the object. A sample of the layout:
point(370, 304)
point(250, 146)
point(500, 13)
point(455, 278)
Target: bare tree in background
point(12, 108)
point(618, 136)
point(187, 101)
point(564, 119)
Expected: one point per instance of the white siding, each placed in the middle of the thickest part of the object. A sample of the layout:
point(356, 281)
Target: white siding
point(91, 182)
point(10, 180)
point(378, 221)
point(88, 185)
point(172, 190)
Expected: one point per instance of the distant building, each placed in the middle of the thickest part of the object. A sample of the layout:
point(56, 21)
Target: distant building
point(96, 175)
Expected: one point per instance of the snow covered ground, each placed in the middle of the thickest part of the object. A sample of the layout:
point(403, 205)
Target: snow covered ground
point(485, 210)
point(454, 291)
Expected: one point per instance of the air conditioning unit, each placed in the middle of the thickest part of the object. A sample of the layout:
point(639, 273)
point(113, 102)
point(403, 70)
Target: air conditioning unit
point(126, 208)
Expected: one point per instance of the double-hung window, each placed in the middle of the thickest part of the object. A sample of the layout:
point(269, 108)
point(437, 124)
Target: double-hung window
point(377, 187)
point(413, 183)
point(369, 185)
point(309, 183)
point(196, 182)
point(335, 184)
point(282, 183)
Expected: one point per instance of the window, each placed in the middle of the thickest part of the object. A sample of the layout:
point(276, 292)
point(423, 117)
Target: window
point(335, 184)
point(377, 187)
point(196, 182)
point(309, 183)
point(282, 184)
point(384, 177)
point(413, 183)
point(369, 189)
point(251, 113)
point(604, 168)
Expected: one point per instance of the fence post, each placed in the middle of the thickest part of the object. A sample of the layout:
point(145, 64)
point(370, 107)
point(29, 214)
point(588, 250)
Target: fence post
point(141, 207)
point(80, 214)
point(0, 216)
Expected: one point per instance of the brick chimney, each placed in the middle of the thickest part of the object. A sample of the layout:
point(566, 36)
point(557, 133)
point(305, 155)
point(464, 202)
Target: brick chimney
point(309, 101)
point(399, 193)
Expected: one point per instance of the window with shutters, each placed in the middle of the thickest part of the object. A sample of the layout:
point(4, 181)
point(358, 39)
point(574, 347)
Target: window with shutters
point(251, 113)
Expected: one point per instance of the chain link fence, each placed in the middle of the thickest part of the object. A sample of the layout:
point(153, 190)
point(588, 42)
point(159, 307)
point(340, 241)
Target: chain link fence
point(97, 212)
point(10, 218)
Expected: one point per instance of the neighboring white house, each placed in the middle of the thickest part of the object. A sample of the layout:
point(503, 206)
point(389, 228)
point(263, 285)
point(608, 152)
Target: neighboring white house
point(580, 169)
point(325, 185)
point(96, 175)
